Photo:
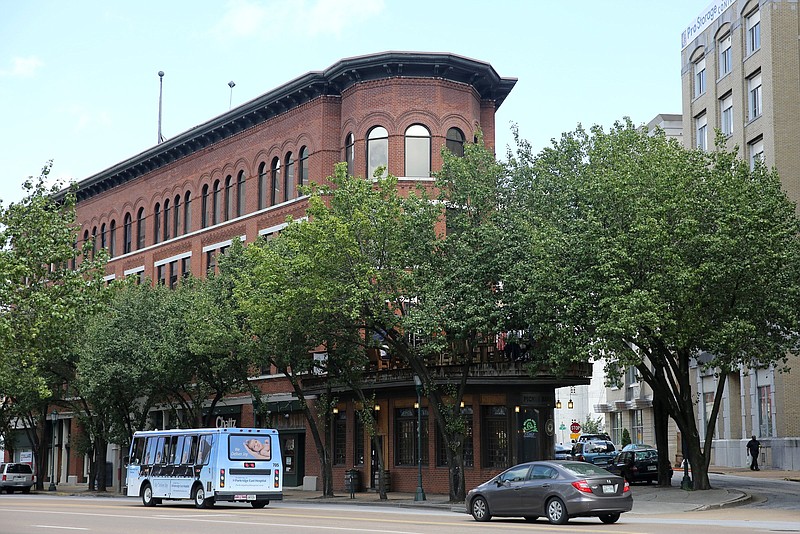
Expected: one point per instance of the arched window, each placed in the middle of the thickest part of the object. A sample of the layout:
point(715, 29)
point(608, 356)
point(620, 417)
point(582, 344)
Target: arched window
point(157, 223)
point(204, 207)
point(303, 179)
point(377, 149)
point(455, 141)
point(94, 241)
point(112, 238)
point(217, 208)
point(85, 236)
point(167, 217)
point(275, 170)
point(418, 151)
point(262, 185)
point(103, 236)
point(140, 229)
point(242, 194)
point(349, 152)
point(176, 217)
point(229, 198)
point(288, 177)
point(127, 234)
point(187, 212)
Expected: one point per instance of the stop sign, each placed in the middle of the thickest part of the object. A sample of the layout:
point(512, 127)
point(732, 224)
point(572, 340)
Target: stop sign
point(575, 427)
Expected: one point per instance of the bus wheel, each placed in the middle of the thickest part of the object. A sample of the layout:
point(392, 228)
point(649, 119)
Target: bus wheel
point(200, 499)
point(259, 504)
point(147, 496)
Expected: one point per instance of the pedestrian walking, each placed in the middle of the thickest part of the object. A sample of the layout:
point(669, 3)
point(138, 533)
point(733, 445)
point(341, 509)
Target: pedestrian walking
point(753, 447)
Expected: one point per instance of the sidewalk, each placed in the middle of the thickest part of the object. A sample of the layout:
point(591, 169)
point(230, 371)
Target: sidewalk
point(647, 499)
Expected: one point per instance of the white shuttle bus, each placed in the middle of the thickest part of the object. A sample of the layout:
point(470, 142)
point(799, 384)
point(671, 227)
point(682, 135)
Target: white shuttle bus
point(206, 465)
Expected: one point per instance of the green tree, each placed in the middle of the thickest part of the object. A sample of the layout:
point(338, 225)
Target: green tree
point(50, 286)
point(592, 426)
point(648, 254)
point(626, 437)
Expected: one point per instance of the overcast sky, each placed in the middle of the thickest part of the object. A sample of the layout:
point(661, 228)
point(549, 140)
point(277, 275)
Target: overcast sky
point(79, 82)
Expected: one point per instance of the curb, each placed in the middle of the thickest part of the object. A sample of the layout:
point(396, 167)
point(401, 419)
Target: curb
point(742, 498)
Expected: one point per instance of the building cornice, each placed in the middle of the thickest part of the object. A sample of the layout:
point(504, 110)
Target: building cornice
point(330, 82)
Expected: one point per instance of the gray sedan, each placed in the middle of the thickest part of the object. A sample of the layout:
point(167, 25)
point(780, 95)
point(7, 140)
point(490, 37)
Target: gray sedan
point(556, 489)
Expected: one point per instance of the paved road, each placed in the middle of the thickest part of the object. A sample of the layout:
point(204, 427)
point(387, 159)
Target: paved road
point(767, 494)
point(43, 514)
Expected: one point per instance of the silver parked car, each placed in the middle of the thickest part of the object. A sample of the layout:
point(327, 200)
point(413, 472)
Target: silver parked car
point(16, 477)
point(554, 489)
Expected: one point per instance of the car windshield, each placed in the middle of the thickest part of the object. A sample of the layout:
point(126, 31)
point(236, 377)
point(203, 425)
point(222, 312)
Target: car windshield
point(583, 469)
point(599, 446)
point(646, 455)
point(24, 469)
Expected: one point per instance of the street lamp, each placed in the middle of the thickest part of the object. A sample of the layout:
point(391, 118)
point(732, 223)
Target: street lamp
point(53, 418)
point(420, 494)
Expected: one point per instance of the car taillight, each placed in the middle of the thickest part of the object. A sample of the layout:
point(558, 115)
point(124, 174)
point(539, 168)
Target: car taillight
point(582, 485)
point(277, 478)
point(581, 458)
point(4, 478)
point(221, 478)
point(627, 487)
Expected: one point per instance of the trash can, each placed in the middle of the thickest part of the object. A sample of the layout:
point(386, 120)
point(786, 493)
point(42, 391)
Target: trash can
point(352, 481)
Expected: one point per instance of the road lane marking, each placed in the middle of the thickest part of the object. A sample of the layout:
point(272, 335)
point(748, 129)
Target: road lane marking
point(57, 526)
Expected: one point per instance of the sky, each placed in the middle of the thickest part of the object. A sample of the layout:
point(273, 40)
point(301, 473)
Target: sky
point(79, 79)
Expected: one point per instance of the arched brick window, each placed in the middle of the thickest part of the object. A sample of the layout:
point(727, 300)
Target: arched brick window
point(187, 212)
point(167, 217)
point(275, 170)
point(204, 208)
point(216, 215)
point(303, 178)
point(455, 141)
point(127, 234)
point(241, 193)
point(141, 228)
point(229, 198)
point(288, 177)
point(377, 149)
point(262, 185)
point(418, 151)
point(349, 152)
point(112, 238)
point(176, 217)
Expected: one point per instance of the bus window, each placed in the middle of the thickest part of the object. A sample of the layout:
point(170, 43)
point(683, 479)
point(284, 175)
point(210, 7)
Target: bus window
point(189, 449)
point(137, 451)
point(175, 446)
point(204, 449)
point(161, 456)
point(150, 455)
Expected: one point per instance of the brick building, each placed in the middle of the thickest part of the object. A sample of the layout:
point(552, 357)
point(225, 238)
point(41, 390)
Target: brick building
point(172, 209)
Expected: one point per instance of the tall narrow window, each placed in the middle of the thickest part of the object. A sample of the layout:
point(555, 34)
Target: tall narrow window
point(241, 192)
point(204, 207)
point(157, 223)
point(350, 152)
point(167, 217)
point(94, 241)
point(340, 439)
point(418, 152)
point(377, 150)
point(753, 24)
point(495, 437)
point(303, 179)
point(103, 236)
point(85, 236)
point(700, 77)
point(141, 228)
point(726, 122)
point(765, 411)
point(275, 171)
point(455, 141)
point(725, 60)
point(127, 234)
point(701, 127)
point(216, 213)
point(406, 450)
point(229, 198)
point(288, 177)
point(176, 217)
point(112, 238)
point(262, 185)
point(756, 150)
point(754, 95)
point(187, 212)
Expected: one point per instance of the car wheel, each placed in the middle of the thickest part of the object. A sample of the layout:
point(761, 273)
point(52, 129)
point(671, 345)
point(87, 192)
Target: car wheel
point(480, 509)
point(531, 518)
point(147, 496)
point(9, 490)
point(258, 504)
point(556, 511)
point(200, 499)
point(609, 518)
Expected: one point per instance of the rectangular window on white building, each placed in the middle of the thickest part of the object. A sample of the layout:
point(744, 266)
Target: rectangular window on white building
point(754, 96)
point(764, 411)
point(700, 77)
point(725, 58)
point(726, 115)
point(756, 150)
point(701, 130)
point(753, 36)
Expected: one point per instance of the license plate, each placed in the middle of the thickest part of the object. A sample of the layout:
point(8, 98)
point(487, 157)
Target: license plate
point(243, 497)
point(609, 488)
point(19, 478)
point(652, 467)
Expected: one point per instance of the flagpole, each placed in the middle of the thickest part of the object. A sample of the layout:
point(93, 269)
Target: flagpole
point(160, 89)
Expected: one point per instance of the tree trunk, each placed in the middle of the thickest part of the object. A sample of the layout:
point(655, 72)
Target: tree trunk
point(101, 449)
point(661, 423)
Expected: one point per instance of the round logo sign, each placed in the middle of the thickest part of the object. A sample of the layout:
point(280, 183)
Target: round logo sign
point(575, 428)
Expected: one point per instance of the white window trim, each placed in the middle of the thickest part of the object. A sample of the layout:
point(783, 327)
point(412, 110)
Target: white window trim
point(172, 258)
point(221, 244)
point(135, 270)
point(109, 277)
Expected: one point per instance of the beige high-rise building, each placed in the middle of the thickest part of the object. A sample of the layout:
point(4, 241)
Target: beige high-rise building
point(740, 73)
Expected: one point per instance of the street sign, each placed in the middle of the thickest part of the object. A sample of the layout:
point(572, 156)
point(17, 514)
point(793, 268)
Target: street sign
point(575, 427)
point(562, 427)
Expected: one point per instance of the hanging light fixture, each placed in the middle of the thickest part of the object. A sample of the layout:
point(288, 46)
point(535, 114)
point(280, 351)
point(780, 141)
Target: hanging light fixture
point(570, 404)
point(558, 404)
